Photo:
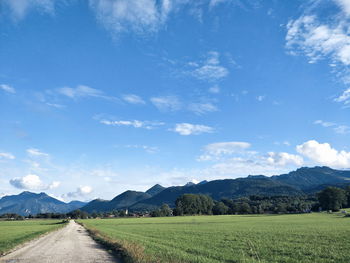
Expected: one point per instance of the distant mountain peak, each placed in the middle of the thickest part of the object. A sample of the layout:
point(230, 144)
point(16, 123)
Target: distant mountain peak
point(189, 184)
point(155, 189)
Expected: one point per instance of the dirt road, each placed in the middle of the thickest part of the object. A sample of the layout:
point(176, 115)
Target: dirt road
point(69, 244)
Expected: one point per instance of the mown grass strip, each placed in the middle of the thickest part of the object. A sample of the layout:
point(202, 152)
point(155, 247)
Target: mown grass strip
point(16, 233)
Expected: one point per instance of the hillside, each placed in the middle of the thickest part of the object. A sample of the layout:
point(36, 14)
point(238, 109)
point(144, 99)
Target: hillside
point(302, 181)
point(156, 189)
point(308, 178)
point(218, 189)
point(124, 200)
point(28, 203)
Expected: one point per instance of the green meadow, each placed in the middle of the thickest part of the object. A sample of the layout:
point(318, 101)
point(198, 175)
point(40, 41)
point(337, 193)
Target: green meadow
point(316, 237)
point(13, 233)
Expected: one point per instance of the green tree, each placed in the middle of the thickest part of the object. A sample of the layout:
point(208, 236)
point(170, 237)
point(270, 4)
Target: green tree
point(220, 209)
point(165, 210)
point(193, 204)
point(245, 208)
point(332, 198)
point(347, 189)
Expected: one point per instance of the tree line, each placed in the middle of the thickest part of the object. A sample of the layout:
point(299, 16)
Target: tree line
point(329, 199)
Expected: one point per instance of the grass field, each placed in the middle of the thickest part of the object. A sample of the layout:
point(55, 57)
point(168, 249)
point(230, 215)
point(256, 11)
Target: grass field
point(317, 237)
point(13, 233)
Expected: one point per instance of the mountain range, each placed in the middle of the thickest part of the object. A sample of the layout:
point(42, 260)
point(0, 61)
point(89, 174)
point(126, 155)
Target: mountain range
point(27, 203)
point(302, 181)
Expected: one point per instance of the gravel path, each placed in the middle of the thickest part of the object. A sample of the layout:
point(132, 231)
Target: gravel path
point(69, 244)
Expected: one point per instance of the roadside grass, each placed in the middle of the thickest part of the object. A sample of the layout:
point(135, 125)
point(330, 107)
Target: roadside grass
point(13, 233)
point(317, 237)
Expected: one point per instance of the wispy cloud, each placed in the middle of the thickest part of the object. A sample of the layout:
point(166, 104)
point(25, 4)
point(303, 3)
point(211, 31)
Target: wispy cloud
point(167, 103)
point(191, 129)
point(210, 69)
point(83, 91)
point(344, 97)
point(214, 89)
point(340, 129)
point(55, 105)
point(146, 148)
point(7, 88)
point(133, 99)
point(133, 123)
point(202, 108)
point(19, 8)
point(323, 35)
point(140, 16)
point(216, 150)
point(8, 156)
point(316, 39)
point(36, 152)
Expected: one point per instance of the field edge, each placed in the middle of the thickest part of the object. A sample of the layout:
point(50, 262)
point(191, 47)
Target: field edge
point(31, 239)
point(129, 252)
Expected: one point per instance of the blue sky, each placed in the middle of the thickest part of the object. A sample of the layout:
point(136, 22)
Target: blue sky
point(101, 96)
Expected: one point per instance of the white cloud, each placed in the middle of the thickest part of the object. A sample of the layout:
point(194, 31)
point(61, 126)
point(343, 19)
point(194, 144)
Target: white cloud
point(82, 91)
point(236, 158)
point(19, 8)
point(54, 185)
point(321, 35)
point(215, 151)
point(210, 69)
point(192, 129)
point(146, 148)
point(340, 129)
point(240, 166)
point(133, 99)
point(134, 123)
point(167, 103)
point(140, 16)
point(55, 105)
point(8, 156)
point(80, 192)
point(220, 148)
point(283, 159)
point(7, 88)
point(324, 154)
point(345, 6)
point(32, 182)
point(202, 108)
point(36, 152)
point(317, 40)
point(324, 123)
point(344, 98)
